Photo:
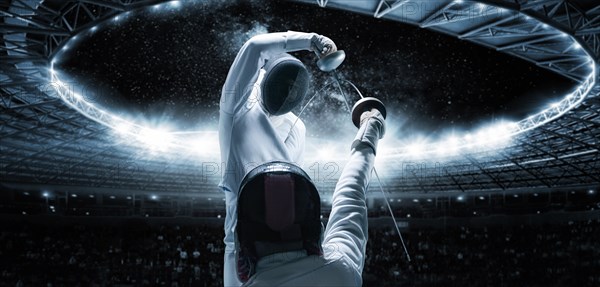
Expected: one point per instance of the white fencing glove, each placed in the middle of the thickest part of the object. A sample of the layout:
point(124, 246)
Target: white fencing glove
point(322, 45)
point(372, 128)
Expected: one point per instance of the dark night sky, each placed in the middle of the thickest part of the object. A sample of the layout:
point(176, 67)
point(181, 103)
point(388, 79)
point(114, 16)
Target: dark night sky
point(171, 64)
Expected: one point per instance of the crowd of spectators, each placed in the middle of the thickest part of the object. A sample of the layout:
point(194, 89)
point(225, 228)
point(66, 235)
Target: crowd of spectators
point(523, 255)
point(128, 255)
point(192, 255)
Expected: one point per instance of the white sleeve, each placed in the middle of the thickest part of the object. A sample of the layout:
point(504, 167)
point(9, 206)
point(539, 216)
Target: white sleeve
point(347, 230)
point(244, 72)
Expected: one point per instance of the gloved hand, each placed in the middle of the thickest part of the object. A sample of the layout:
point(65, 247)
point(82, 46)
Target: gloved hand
point(322, 45)
point(372, 128)
point(376, 115)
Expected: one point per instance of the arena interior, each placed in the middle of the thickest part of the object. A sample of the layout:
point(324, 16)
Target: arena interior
point(512, 205)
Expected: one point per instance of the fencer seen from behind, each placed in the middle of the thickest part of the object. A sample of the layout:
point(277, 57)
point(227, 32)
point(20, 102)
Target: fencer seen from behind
point(273, 233)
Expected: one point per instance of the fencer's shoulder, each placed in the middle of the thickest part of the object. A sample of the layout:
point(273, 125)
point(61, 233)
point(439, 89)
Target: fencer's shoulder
point(309, 271)
point(295, 121)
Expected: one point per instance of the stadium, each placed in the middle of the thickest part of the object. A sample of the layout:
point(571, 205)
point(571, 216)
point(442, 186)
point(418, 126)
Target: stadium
point(92, 195)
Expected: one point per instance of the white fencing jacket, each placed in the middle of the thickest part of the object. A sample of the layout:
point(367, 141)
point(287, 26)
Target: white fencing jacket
point(248, 137)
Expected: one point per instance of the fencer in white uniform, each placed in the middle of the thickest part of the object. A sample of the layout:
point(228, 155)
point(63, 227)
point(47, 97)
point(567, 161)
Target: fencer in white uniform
point(252, 137)
point(249, 135)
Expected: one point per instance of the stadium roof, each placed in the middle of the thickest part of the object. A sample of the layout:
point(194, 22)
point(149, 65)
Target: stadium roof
point(47, 143)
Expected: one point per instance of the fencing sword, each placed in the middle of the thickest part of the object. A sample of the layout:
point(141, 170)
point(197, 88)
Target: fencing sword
point(330, 63)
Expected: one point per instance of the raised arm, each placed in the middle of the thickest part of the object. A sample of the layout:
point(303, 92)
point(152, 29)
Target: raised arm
point(251, 57)
point(346, 234)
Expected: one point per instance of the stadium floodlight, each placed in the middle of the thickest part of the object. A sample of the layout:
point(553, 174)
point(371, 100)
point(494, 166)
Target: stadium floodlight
point(415, 149)
point(153, 197)
point(123, 128)
point(155, 139)
point(73, 195)
point(591, 191)
point(460, 198)
point(474, 140)
point(326, 153)
point(45, 194)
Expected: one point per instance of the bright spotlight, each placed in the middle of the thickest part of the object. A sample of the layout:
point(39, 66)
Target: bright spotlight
point(326, 153)
point(153, 197)
point(459, 1)
point(555, 105)
point(73, 195)
point(448, 147)
point(123, 128)
point(155, 139)
point(45, 194)
point(175, 4)
point(205, 145)
point(460, 198)
point(77, 96)
point(415, 149)
point(591, 191)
